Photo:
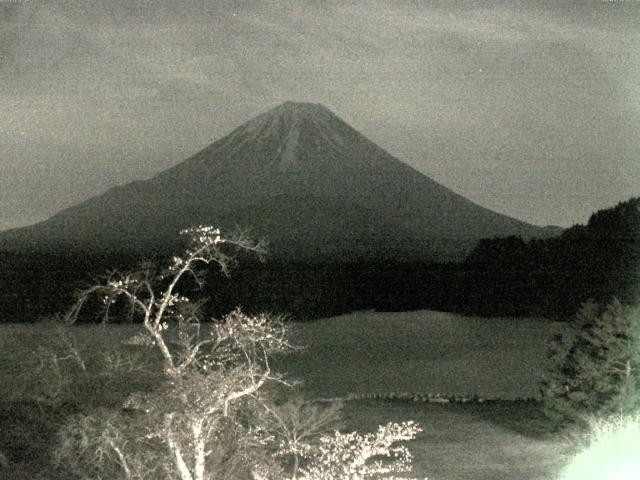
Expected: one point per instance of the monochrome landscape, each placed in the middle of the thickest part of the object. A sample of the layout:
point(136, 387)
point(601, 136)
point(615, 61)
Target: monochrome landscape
point(212, 265)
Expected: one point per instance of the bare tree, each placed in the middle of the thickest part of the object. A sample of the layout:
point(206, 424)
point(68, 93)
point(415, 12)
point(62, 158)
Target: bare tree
point(353, 456)
point(296, 424)
point(209, 369)
point(154, 295)
point(210, 417)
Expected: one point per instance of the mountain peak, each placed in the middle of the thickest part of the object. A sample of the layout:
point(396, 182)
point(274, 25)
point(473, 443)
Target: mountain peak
point(297, 135)
point(298, 107)
point(293, 112)
point(304, 177)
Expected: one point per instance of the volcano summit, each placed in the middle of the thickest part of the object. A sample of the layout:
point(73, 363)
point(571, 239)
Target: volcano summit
point(299, 175)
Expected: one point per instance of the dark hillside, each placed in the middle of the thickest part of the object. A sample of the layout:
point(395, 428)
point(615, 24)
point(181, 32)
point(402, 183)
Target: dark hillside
point(554, 276)
point(297, 174)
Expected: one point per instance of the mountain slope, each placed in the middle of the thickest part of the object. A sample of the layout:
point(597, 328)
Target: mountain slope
point(300, 175)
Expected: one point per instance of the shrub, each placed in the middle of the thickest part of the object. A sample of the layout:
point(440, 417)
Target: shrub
point(352, 456)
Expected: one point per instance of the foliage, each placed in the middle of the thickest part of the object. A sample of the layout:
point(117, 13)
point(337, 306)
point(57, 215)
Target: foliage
point(56, 370)
point(554, 276)
point(61, 372)
point(213, 414)
point(153, 295)
point(508, 276)
point(295, 424)
point(352, 456)
point(595, 365)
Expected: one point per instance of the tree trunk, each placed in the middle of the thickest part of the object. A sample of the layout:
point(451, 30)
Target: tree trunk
point(296, 465)
point(199, 453)
point(182, 467)
point(166, 354)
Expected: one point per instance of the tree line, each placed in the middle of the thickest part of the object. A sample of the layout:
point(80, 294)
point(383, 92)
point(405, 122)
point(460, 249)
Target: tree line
point(500, 277)
point(553, 277)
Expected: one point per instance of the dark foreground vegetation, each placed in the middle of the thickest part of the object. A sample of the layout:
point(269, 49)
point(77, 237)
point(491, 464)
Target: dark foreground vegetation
point(182, 398)
point(500, 277)
point(498, 440)
point(40, 405)
point(115, 406)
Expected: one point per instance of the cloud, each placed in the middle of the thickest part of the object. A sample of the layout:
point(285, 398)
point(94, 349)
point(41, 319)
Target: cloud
point(39, 35)
point(451, 89)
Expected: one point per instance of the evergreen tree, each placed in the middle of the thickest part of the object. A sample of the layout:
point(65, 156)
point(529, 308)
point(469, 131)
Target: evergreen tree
point(594, 364)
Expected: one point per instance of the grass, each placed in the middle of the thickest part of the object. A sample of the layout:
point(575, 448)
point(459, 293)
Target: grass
point(491, 441)
point(368, 352)
point(420, 352)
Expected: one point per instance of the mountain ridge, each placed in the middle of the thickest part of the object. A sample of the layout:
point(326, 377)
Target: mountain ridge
point(305, 156)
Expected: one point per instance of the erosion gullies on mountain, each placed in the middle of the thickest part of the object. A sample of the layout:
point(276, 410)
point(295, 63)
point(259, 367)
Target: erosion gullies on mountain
point(303, 177)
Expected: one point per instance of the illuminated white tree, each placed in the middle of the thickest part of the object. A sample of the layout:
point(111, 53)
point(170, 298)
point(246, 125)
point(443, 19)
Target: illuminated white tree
point(353, 456)
point(209, 371)
point(153, 295)
point(210, 417)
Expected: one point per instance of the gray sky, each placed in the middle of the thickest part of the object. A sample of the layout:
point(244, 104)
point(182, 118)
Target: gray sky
point(531, 109)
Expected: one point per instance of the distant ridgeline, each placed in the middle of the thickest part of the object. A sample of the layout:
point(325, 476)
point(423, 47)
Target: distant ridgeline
point(501, 276)
point(554, 276)
point(349, 225)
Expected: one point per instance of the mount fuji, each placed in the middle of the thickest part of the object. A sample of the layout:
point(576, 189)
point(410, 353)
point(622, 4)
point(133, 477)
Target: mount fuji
point(298, 175)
